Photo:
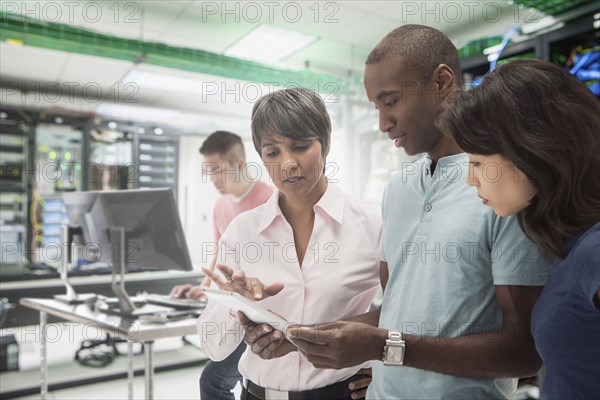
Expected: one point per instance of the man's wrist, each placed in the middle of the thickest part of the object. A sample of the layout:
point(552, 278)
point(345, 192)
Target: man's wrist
point(378, 339)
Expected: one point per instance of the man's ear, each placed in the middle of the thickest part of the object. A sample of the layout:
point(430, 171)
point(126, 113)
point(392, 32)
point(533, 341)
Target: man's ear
point(444, 80)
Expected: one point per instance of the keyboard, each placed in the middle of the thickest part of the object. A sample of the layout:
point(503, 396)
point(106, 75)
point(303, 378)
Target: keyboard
point(175, 302)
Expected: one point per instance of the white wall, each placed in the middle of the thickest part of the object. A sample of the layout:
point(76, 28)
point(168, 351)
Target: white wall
point(196, 199)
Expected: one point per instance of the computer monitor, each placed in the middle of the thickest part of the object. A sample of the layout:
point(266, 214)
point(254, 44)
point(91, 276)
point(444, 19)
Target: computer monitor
point(76, 205)
point(131, 229)
point(153, 231)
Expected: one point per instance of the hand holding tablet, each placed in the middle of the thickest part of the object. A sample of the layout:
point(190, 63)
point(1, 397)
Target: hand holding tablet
point(251, 309)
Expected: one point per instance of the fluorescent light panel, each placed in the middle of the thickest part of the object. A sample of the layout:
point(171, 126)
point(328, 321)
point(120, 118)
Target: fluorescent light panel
point(165, 82)
point(543, 23)
point(269, 44)
point(127, 112)
point(492, 49)
point(158, 116)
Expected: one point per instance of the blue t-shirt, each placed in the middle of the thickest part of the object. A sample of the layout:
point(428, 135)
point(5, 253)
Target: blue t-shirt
point(446, 251)
point(566, 323)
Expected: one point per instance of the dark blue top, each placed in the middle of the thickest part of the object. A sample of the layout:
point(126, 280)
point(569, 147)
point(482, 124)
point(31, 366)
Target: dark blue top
point(566, 323)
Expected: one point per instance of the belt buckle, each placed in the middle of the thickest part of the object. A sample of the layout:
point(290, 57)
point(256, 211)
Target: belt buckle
point(272, 394)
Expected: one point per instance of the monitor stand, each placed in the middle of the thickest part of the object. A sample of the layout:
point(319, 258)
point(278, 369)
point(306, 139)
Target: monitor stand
point(66, 237)
point(126, 307)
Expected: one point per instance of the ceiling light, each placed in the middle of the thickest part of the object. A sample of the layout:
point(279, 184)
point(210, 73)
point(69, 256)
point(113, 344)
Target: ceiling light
point(493, 49)
point(158, 131)
point(543, 23)
point(492, 57)
point(269, 44)
point(136, 113)
point(3, 115)
point(154, 116)
point(158, 81)
point(59, 120)
point(112, 125)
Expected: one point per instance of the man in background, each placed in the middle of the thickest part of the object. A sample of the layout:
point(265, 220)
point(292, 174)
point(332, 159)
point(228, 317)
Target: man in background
point(224, 161)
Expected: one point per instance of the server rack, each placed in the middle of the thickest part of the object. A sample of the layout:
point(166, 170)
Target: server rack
point(15, 160)
point(553, 46)
point(157, 161)
point(43, 154)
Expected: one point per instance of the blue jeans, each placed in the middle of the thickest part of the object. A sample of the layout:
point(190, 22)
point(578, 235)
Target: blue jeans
point(219, 378)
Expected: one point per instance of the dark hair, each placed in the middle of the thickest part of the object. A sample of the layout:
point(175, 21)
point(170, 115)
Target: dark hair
point(227, 144)
point(547, 123)
point(296, 113)
point(421, 47)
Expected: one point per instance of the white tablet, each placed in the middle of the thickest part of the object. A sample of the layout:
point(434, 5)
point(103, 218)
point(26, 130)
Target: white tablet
point(251, 309)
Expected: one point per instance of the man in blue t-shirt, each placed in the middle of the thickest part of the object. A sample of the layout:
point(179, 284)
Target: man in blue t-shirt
point(459, 282)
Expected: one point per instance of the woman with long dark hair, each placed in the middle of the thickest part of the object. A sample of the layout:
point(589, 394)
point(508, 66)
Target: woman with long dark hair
point(532, 132)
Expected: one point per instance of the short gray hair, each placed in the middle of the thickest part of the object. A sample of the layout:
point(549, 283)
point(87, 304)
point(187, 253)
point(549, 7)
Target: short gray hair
point(295, 113)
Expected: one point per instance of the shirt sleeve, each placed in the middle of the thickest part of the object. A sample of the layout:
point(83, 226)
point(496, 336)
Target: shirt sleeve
point(381, 249)
point(220, 332)
point(377, 235)
point(586, 263)
point(516, 260)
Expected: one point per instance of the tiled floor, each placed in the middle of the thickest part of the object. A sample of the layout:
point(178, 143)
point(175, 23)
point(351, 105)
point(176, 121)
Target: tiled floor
point(179, 384)
point(175, 384)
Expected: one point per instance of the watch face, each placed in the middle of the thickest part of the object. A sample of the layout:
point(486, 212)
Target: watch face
point(395, 354)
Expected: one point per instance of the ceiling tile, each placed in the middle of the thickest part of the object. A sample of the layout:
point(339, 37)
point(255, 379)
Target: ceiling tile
point(330, 56)
point(31, 63)
point(85, 69)
point(131, 19)
point(225, 24)
point(378, 28)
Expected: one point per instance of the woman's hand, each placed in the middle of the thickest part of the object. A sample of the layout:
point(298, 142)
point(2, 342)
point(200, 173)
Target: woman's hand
point(269, 343)
point(249, 287)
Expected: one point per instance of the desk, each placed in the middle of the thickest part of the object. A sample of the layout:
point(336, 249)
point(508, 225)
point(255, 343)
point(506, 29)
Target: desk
point(15, 285)
point(125, 328)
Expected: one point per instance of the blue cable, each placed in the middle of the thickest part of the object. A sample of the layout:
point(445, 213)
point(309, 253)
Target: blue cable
point(582, 61)
point(503, 44)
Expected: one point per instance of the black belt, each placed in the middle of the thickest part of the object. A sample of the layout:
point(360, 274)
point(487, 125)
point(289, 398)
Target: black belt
point(337, 391)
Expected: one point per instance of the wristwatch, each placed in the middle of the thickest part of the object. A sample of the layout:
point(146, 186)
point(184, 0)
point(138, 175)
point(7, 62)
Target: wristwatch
point(393, 352)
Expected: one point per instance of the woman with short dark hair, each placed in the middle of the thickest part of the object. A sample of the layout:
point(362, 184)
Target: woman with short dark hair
point(316, 247)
